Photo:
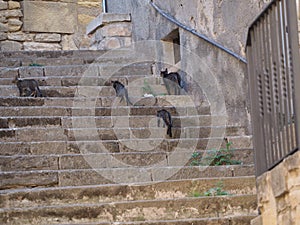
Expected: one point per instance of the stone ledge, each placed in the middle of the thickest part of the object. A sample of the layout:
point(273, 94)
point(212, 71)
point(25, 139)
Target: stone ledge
point(105, 18)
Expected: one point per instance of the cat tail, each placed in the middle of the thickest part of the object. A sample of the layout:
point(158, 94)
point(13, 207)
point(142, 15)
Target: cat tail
point(38, 92)
point(129, 102)
point(127, 98)
point(169, 131)
point(182, 84)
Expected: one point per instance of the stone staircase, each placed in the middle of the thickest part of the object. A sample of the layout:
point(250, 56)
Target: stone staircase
point(78, 156)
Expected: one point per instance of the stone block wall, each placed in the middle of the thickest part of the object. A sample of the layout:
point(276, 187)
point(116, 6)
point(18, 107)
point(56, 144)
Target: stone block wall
point(279, 194)
point(46, 24)
point(110, 31)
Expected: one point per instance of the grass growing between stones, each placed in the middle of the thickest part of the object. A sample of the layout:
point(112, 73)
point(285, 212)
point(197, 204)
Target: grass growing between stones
point(223, 156)
point(217, 190)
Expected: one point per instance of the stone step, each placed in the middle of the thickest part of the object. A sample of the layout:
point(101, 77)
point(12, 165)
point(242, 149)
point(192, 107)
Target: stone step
point(178, 101)
point(115, 146)
point(61, 61)
point(110, 121)
point(142, 81)
point(31, 134)
point(50, 54)
point(66, 53)
point(181, 208)
point(81, 177)
point(151, 132)
point(187, 125)
point(84, 91)
point(57, 58)
point(225, 220)
point(24, 198)
point(203, 122)
point(19, 122)
point(228, 220)
point(81, 109)
point(92, 133)
point(95, 69)
point(107, 160)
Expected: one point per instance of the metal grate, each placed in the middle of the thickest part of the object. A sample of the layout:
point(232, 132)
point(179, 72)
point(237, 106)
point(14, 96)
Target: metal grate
point(273, 66)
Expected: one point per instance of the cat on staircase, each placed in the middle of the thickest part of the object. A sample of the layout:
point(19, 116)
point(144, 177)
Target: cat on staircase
point(172, 81)
point(167, 120)
point(121, 91)
point(28, 87)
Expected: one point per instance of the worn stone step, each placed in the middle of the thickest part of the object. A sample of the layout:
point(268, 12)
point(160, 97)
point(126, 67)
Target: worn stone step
point(112, 121)
point(29, 179)
point(92, 133)
point(112, 102)
point(60, 61)
point(117, 192)
point(67, 54)
point(28, 135)
point(55, 58)
point(203, 121)
point(227, 220)
point(13, 122)
point(83, 91)
point(107, 160)
point(81, 109)
point(95, 69)
point(104, 122)
point(182, 208)
point(142, 81)
point(79, 101)
point(80, 177)
point(131, 82)
point(49, 54)
point(115, 146)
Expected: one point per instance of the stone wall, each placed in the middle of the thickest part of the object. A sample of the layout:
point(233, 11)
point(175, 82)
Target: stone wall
point(46, 24)
point(279, 194)
point(218, 20)
point(110, 31)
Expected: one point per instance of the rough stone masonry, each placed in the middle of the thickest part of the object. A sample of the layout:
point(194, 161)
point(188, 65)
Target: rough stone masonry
point(46, 25)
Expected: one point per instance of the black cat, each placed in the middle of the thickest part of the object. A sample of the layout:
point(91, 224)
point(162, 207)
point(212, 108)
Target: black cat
point(167, 120)
point(121, 91)
point(28, 87)
point(172, 81)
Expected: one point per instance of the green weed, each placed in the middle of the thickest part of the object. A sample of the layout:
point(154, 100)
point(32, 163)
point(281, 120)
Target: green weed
point(219, 157)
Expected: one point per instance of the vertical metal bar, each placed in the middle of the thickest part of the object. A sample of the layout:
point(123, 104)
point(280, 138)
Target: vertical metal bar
point(269, 84)
point(266, 123)
point(284, 117)
point(260, 96)
point(269, 67)
point(104, 6)
point(259, 146)
point(295, 70)
point(289, 81)
point(277, 87)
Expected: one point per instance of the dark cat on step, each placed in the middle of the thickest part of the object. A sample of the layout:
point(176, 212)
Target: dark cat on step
point(121, 91)
point(172, 81)
point(167, 120)
point(28, 87)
